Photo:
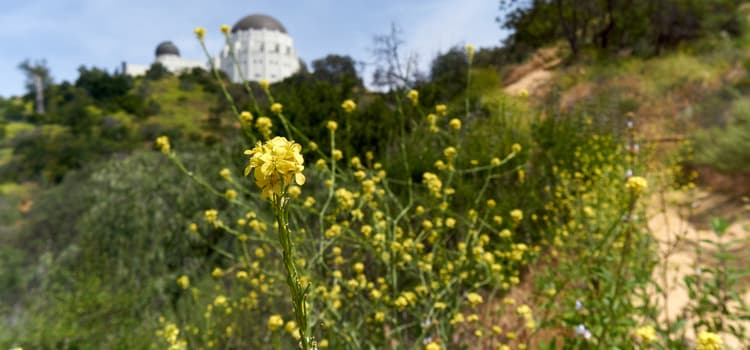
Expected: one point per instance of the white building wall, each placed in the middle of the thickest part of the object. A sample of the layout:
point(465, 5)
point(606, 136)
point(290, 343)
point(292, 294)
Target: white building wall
point(134, 69)
point(177, 64)
point(262, 55)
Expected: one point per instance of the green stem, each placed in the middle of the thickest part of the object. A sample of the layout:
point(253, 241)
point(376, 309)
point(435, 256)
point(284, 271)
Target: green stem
point(299, 293)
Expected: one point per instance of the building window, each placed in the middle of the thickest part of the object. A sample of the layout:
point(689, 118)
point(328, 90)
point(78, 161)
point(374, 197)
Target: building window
point(288, 50)
point(278, 48)
point(262, 46)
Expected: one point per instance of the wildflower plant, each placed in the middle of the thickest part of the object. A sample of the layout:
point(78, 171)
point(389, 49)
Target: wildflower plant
point(374, 260)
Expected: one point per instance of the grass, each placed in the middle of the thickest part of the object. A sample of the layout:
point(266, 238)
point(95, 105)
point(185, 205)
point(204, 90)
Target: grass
point(179, 109)
point(13, 129)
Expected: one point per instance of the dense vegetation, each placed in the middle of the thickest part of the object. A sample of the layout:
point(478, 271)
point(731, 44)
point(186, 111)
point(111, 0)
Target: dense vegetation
point(422, 217)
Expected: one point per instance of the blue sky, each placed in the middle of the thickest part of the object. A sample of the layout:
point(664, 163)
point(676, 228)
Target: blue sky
point(103, 33)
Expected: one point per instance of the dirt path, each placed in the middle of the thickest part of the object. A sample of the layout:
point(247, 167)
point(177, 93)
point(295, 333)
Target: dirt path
point(680, 224)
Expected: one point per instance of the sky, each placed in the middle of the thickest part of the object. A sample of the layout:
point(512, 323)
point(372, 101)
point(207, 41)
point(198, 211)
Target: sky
point(104, 33)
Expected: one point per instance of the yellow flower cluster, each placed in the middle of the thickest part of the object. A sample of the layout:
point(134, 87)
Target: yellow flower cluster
point(275, 165)
point(225, 29)
point(455, 124)
point(433, 183)
point(432, 120)
point(413, 96)
point(264, 125)
point(348, 106)
point(264, 84)
point(708, 341)
point(277, 108)
point(474, 299)
point(442, 110)
point(246, 117)
point(275, 322)
point(516, 215)
point(170, 333)
point(162, 143)
point(645, 334)
point(470, 52)
point(332, 125)
point(183, 281)
point(200, 33)
point(636, 184)
point(212, 216)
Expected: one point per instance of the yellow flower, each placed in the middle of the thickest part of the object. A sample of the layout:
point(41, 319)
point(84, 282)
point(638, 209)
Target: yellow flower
point(260, 253)
point(523, 93)
point(277, 108)
point(450, 152)
point(211, 215)
point(455, 123)
point(290, 326)
point(295, 191)
point(220, 300)
point(450, 222)
point(516, 215)
point(274, 165)
point(348, 106)
point(323, 344)
point(200, 32)
point(470, 52)
point(516, 148)
point(474, 299)
point(524, 310)
point(636, 184)
point(264, 124)
point(413, 96)
point(193, 227)
point(230, 194)
point(225, 173)
point(162, 143)
point(241, 275)
point(645, 334)
point(332, 125)
point(183, 282)
point(264, 84)
point(708, 341)
point(275, 322)
point(441, 109)
point(337, 154)
point(217, 272)
point(433, 346)
point(246, 116)
point(359, 267)
point(225, 29)
point(433, 183)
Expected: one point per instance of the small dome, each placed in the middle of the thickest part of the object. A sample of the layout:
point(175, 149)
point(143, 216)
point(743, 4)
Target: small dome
point(167, 48)
point(258, 21)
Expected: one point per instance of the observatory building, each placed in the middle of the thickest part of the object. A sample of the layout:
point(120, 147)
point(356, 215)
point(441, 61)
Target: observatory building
point(168, 55)
point(263, 50)
point(259, 48)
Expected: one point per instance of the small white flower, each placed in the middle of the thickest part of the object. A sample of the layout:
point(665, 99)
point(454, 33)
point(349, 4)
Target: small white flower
point(579, 305)
point(582, 331)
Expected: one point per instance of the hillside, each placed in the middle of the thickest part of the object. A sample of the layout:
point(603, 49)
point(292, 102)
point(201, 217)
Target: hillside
point(591, 194)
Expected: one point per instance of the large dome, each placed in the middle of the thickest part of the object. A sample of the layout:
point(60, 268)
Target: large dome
point(258, 21)
point(167, 48)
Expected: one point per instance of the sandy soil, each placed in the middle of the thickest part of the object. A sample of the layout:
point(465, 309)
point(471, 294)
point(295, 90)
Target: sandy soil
point(680, 224)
